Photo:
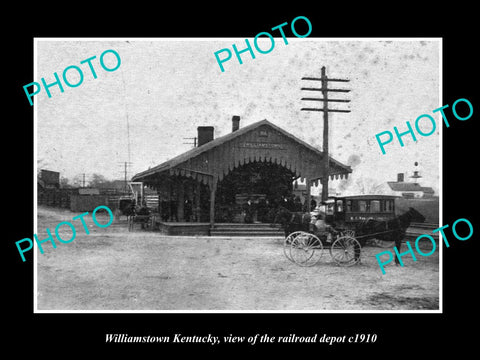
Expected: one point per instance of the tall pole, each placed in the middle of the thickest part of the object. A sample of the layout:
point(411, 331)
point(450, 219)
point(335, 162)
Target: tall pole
point(326, 162)
point(126, 187)
point(324, 89)
point(125, 165)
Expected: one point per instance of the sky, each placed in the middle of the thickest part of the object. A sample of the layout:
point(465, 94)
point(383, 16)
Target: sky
point(143, 112)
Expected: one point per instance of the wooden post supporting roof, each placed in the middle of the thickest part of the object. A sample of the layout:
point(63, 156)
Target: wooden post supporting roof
point(308, 195)
point(180, 200)
point(213, 189)
point(197, 201)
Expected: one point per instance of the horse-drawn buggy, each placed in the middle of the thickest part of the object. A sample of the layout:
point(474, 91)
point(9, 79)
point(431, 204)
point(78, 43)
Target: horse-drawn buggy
point(343, 225)
point(127, 206)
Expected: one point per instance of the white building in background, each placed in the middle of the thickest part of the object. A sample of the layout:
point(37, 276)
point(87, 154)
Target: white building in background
point(409, 190)
point(400, 188)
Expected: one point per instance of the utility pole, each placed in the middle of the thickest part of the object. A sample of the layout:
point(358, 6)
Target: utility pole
point(125, 166)
point(324, 89)
point(125, 175)
point(83, 180)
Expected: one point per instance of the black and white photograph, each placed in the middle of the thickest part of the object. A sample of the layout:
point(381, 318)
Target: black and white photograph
point(224, 179)
point(280, 181)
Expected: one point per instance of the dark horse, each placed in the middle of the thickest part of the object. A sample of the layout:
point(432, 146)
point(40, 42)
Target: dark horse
point(292, 221)
point(388, 230)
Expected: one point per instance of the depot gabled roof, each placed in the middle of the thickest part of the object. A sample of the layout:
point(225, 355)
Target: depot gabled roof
point(336, 167)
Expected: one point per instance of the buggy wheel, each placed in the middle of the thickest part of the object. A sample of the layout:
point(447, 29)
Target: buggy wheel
point(288, 243)
point(345, 251)
point(305, 249)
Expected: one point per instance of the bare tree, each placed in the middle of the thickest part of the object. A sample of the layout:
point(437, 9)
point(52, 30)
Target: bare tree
point(77, 180)
point(65, 183)
point(97, 180)
point(365, 186)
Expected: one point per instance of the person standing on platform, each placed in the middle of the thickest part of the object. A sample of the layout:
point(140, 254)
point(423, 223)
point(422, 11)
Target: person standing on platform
point(249, 210)
point(188, 210)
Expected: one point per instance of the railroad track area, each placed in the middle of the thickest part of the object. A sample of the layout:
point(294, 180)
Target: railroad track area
point(417, 229)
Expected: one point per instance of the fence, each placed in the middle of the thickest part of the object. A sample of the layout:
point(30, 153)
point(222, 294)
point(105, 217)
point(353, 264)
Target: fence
point(81, 203)
point(70, 199)
point(55, 197)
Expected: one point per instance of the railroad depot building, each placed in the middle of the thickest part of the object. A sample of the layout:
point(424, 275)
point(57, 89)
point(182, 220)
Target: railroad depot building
point(220, 179)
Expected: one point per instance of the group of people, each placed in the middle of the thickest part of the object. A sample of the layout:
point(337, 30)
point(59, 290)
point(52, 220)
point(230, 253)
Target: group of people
point(265, 210)
point(262, 210)
point(294, 204)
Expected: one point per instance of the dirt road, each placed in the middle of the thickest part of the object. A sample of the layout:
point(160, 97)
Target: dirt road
point(113, 269)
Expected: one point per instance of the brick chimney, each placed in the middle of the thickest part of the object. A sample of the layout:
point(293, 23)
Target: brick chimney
point(400, 177)
point(235, 123)
point(205, 134)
